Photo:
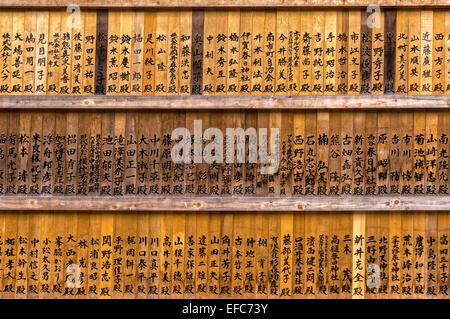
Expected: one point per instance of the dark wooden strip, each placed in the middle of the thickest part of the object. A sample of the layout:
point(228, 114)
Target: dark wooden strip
point(101, 52)
point(366, 54)
point(197, 52)
point(390, 28)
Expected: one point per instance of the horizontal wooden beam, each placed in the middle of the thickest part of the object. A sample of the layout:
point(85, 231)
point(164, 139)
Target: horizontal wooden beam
point(362, 203)
point(191, 102)
point(218, 3)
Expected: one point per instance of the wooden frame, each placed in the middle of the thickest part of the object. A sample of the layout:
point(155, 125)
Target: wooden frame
point(163, 102)
point(219, 3)
point(316, 203)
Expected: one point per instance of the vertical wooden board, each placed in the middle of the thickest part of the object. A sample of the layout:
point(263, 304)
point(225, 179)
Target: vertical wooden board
point(101, 52)
point(299, 251)
point(17, 54)
point(311, 153)
point(78, 48)
point(161, 51)
point(185, 67)
point(286, 254)
point(345, 164)
point(269, 60)
point(442, 254)
point(317, 48)
point(82, 253)
point(414, 66)
point(93, 271)
point(29, 53)
point(431, 152)
point(12, 152)
point(69, 243)
point(330, 52)
point(384, 254)
point(285, 153)
point(245, 51)
point(48, 151)
point(378, 43)
point(395, 139)
point(190, 255)
point(299, 141)
point(34, 247)
point(402, 52)
point(262, 254)
point(125, 52)
point(323, 144)
point(383, 152)
point(149, 53)
point(130, 265)
point(35, 165)
point(342, 51)
point(431, 252)
point(4, 116)
point(202, 246)
point(137, 52)
point(24, 175)
point(346, 253)
point(323, 257)
point(71, 164)
point(274, 255)
point(60, 154)
point(155, 221)
point(45, 264)
point(6, 29)
point(233, 53)
point(443, 151)
point(371, 152)
point(257, 53)
point(142, 255)
point(406, 256)
point(220, 58)
point(130, 163)
point(372, 254)
point(426, 52)
point(173, 55)
point(354, 51)
point(295, 38)
point(311, 256)
point(358, 260)
point(118, 179)
point(419, 254)
point(366, 52)
point(447, 52)
point(65, 68)
point(21, 261)
point(106, 256)
point(9, 269)
point(275, 121)
point(89, 53)
point(213, 235)
point(438, 62)
point(419, 171)
point(94, 159)
point(179, 250)
point(407, 135)
point(390, 27)
point(54, 52)
point(209, 52)
point(107, 154)
point(113, 55)
point(40, 80)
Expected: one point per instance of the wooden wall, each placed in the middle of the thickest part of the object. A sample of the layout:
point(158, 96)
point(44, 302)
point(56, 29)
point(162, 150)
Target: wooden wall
point(225, 255)
point(88, 187)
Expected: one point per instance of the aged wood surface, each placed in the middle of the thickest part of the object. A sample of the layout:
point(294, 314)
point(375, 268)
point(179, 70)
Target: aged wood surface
point(310, 204)
point(224, 255)
point(219, 3)
point(99, 102)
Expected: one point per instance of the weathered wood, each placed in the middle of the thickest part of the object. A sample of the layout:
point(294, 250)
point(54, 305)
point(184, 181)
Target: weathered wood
point(218, 3)
point(223, 102)
point(362, 203)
